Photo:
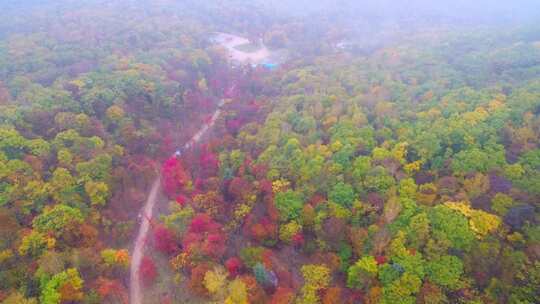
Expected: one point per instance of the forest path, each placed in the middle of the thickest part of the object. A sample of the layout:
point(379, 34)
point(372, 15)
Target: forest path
point(135, 294)
point(135, 291)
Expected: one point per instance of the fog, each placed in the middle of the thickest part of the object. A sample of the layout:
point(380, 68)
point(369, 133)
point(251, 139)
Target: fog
point(269, 151)
point(374, 20)
point(480, 11)
point(460, 9)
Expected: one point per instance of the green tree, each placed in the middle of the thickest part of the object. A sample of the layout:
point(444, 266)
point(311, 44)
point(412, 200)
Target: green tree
point(63, 186)
point(34, 244)
point(388, 273)
point(263, 276)
point(418, 230)
point(289, 204)
point(449, 224)
point(98, 192)
point(407, 188)
point(96, 169)
point(56, 219)
point(360, 168)
point(251, 255)
point(530, 179)
point(65, 286)
point(378, 180)
point(65, 157)
point(501, 203)
point(446, 271)
point(362, 272)
point(39, 147)
point(478, 160)
point(400, 291)
point(343, 194)
point(12, 143)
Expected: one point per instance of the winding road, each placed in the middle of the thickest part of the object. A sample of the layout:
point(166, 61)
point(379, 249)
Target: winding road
point(135, 291)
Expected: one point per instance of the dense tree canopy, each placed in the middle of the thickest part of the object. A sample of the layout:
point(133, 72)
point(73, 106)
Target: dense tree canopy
point(352, 171)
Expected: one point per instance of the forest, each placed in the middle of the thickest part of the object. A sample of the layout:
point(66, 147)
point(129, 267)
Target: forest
point(350, 160)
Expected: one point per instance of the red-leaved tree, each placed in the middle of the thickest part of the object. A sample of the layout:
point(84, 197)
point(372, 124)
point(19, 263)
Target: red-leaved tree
point(164, 240)
point(233, 265)
point(148, 271)
point(111, 290)
point(182, 200)
point(208, 162)
point(239, 188)
point(175, 177)
point(205, 236)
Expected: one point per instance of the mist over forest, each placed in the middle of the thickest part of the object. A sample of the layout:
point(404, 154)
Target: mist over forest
point(280, 152)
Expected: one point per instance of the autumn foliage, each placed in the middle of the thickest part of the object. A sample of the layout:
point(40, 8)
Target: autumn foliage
point(165, 240)
point(204, 236)
point(405, 170)
point(175, 177)
point(148, 271)
point(234, 266)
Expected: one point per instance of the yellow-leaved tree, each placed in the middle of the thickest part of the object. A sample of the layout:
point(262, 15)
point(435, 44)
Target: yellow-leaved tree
point(481, 222)
point(237, 293)
point(215, 281)
point(316, 278)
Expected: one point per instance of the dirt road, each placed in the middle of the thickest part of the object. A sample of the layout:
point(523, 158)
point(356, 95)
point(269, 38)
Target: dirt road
point(135, 291)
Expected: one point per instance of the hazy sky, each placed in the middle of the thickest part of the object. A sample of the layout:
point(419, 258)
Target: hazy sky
point(455, 8)
point(476, 11)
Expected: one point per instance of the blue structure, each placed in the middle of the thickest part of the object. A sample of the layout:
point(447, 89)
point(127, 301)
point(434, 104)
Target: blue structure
point(266, 65)
point(270, 65)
